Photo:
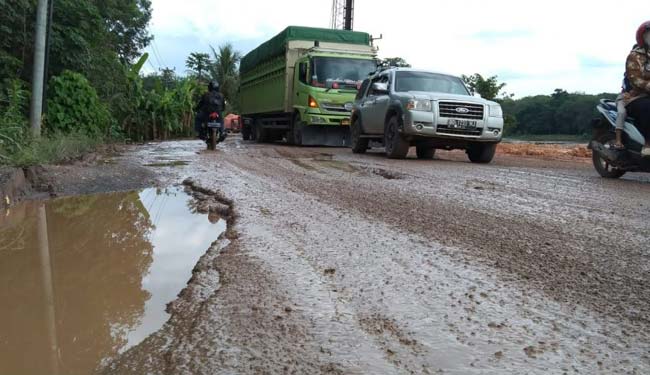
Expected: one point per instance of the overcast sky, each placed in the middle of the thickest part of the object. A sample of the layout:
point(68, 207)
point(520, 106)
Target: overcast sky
point(533, 46)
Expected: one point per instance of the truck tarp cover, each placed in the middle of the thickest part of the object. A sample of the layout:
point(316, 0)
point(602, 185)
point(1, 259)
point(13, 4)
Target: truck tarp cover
point(277, 45)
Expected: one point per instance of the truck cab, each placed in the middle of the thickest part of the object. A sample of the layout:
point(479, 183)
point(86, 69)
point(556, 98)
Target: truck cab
point(325, 85)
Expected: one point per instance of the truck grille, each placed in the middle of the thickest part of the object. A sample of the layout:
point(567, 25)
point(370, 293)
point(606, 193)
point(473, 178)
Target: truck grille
point(333, 107)
point(461, 110)
point(444, 129)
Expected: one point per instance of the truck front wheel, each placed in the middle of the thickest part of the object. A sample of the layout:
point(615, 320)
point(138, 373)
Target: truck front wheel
point(359, 145)
point(396, 146)
point(481, 153)
point(425, 152)
point(294, 137)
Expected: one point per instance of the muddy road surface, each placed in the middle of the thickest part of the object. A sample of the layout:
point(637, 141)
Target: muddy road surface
point(355, 264)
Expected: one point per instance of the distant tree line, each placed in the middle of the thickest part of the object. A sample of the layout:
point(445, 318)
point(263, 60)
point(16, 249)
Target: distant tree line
point(558, 113)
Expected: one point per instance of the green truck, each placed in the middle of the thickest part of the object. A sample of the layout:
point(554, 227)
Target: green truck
point(300, 85)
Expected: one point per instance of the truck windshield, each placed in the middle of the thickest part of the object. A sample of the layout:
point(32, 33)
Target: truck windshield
point(429, 82)
point(342, 72)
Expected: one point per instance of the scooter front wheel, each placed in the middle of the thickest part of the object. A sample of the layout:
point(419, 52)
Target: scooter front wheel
point(604, 168)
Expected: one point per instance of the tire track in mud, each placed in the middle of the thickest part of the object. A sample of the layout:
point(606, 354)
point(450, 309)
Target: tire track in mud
point(568, 263)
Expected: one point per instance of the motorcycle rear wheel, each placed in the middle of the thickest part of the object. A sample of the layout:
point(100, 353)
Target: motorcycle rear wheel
point(602, 166)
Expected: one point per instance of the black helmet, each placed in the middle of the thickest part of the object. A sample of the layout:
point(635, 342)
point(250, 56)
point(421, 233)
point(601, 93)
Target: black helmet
point(213, 86)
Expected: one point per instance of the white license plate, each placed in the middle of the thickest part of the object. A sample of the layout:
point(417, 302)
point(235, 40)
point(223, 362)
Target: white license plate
point(462, 124)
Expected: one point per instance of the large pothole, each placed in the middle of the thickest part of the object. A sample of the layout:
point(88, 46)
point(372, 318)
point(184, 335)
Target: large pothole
point(85, 278)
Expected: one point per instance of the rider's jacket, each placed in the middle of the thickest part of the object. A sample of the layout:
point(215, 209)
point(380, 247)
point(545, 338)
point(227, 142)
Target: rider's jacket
point(637, 70)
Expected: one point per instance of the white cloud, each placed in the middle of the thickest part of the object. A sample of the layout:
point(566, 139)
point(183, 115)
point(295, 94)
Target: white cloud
point(575, 45)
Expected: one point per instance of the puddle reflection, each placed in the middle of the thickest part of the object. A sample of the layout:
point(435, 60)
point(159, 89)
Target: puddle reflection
point(85, 278)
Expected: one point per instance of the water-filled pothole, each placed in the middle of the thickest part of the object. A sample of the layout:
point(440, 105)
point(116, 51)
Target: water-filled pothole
point(83, 279)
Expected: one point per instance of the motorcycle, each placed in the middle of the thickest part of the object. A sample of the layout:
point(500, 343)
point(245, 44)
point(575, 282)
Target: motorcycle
point(608, 161)
point(216, 131)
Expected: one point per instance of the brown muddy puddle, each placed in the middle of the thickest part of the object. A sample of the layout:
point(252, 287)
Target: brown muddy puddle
point(83, 279)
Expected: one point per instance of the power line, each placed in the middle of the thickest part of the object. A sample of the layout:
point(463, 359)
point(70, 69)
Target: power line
point(155, 48)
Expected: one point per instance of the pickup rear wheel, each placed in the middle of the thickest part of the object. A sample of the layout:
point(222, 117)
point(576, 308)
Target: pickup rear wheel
point(481, 153)
point(359, 145)
point(425, 152)
point(396, 146)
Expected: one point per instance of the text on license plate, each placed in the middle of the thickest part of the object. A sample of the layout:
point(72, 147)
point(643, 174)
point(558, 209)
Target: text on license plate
point(461, 124)
point(214, 125)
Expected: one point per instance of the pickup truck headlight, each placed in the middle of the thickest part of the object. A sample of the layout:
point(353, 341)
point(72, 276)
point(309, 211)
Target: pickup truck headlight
point(419, 105)
point(496, 111)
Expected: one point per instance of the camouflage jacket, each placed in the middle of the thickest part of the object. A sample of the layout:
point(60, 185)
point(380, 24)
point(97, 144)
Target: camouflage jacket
point(637, 70)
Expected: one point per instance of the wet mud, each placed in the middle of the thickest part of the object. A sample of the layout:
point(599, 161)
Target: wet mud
point(334, 263)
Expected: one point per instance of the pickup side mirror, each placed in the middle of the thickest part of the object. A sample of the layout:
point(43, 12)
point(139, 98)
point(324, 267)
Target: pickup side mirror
point(379, 88)
point(477, 95)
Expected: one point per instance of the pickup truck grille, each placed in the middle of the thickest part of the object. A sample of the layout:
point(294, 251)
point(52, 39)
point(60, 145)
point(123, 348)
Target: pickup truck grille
point(444, 129)
point(461, 110)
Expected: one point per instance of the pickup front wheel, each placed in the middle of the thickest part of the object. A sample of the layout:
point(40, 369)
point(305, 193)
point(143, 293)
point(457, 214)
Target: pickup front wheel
point(359, 145)
point(396, 146)
point(481, 153)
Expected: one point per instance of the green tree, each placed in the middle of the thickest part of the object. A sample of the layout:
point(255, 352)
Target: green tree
point(489, 88)
point(226, 71)
point(198, 63)
point(395, 61)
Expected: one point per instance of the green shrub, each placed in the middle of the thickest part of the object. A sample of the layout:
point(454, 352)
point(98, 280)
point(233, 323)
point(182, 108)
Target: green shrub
point(74, 107)
point(13, 122)
point(55, 148)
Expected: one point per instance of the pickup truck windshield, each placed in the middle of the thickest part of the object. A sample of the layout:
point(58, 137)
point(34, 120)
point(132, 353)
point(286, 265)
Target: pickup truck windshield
point(346, 73)
point(429, 82)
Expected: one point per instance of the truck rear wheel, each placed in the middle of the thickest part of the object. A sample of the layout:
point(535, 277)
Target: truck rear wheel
point(396, 146)
point(261, 134)
point(359, 145)
point(246, 134)
point(481, 153)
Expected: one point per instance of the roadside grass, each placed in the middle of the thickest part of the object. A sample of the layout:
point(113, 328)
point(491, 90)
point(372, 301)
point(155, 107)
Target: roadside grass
point(53, 149)
point(580, 138)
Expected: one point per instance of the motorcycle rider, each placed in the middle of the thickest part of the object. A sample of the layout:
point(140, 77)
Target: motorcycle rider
point(637, 70)
point(211, 101)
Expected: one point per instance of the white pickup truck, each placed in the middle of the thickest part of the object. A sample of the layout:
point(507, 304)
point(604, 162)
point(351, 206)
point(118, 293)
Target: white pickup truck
point(403, 107)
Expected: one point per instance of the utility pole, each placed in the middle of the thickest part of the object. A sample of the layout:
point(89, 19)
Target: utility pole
point(349, 14)
point(36, 111)
point(48, 43)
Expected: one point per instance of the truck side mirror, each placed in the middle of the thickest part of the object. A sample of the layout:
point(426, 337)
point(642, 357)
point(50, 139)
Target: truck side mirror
point(302, 72)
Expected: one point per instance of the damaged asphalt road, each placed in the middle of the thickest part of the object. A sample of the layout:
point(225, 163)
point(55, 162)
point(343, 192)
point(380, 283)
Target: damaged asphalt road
point(347, 264)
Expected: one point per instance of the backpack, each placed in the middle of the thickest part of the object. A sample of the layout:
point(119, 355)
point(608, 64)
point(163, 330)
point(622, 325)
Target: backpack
point(215, 102)
point(627, 86)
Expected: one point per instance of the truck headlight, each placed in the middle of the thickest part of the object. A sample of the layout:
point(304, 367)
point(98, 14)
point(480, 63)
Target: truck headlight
point(419, 105)
point(496, 111)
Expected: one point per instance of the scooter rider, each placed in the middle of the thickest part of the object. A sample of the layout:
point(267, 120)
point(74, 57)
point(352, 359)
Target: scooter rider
point(637, 70)
point(211, 101)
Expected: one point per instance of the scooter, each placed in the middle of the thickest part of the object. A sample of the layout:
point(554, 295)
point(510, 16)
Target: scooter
point(216, 131)
point(608, 161)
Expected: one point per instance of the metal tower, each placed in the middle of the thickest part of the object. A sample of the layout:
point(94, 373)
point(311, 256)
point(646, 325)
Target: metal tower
point(342, 14)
